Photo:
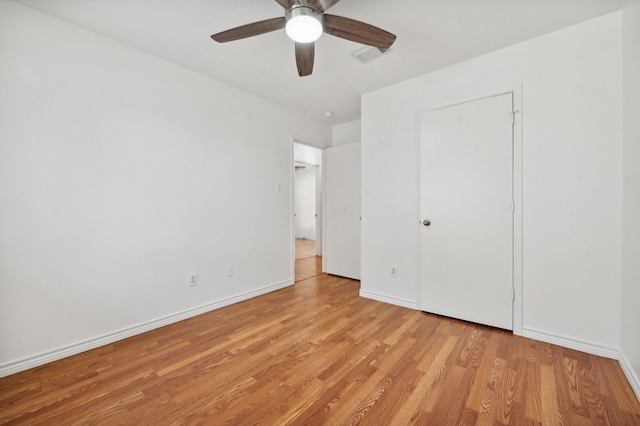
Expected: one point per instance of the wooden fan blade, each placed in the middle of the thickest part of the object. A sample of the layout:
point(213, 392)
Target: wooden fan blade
point(322, 5)
point(357, 31)
point(250, 30)
point(286, 3)
point(305, 53)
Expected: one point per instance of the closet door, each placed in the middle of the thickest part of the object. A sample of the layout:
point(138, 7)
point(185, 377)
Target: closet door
point(466, 202)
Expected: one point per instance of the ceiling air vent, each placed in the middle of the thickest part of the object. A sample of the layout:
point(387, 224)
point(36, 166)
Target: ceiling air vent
point(368, 54)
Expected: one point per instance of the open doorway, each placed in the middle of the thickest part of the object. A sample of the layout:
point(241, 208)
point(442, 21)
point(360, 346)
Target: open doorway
point(307, 210)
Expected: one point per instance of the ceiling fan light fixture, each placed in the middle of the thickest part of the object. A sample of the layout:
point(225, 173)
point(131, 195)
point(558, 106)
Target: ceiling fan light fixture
point(304, 24)
point(305, 21)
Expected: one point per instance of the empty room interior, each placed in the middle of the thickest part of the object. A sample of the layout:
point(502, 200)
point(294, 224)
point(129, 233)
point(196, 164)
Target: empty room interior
point(427, 213)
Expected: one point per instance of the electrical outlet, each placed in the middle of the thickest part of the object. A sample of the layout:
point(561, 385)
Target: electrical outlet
point(393, 271)
point(228, 271)
point(193, 279)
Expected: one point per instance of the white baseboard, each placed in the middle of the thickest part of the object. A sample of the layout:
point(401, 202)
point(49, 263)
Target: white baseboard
point(42, 358)
point(567, 342)
point(389, 299)
point(628, 371)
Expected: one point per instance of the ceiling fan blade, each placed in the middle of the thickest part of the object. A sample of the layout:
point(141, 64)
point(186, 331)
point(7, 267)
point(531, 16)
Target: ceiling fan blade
point(305, 53)
point(286, 3)
point(250, 30)
point(322, 5)
point(357, 31)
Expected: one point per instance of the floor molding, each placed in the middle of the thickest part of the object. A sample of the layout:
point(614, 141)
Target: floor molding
point(42, 358)
point(567, 342)
point(632, 377)
point(389, 299)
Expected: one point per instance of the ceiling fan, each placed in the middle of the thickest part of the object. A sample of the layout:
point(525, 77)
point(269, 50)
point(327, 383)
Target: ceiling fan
point(305, 21)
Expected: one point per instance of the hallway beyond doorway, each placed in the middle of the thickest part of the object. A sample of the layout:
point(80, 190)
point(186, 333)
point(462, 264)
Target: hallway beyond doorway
point(307, 263)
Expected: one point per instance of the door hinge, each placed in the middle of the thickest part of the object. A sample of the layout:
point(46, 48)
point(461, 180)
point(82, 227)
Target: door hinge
point(513, 294)
point(513, 206)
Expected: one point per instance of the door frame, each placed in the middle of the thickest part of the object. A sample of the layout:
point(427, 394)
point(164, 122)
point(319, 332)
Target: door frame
point(516, 91)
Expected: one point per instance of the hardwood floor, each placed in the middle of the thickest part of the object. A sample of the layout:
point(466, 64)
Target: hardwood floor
point(316, 353)
point(307, 263)
point(305, 248)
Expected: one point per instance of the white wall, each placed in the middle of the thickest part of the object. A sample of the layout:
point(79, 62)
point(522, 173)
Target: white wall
point(346, 133)
point(572, 133)
point(120, 174)
point(630, 318)
point(307, 154)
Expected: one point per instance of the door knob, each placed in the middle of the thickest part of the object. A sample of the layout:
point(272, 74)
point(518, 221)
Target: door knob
point(426, 222)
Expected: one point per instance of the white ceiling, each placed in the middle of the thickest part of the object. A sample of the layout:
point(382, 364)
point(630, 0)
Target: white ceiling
point(431, 34)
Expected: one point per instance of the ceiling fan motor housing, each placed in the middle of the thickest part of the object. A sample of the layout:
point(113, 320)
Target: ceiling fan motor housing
point(304, 23)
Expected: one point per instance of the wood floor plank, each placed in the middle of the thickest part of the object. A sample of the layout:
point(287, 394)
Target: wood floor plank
point(451, 400)
point(488, 409)
point(509, 410)
point(317, 353)
point(398, 388)
point(413, 408)
point(550, 411)
point(387, 369)
point(339, 388)
point(532, 396)
point(482, 376)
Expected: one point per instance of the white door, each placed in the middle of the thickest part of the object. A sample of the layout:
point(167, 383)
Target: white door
point(342, 211)
point(466, 203)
